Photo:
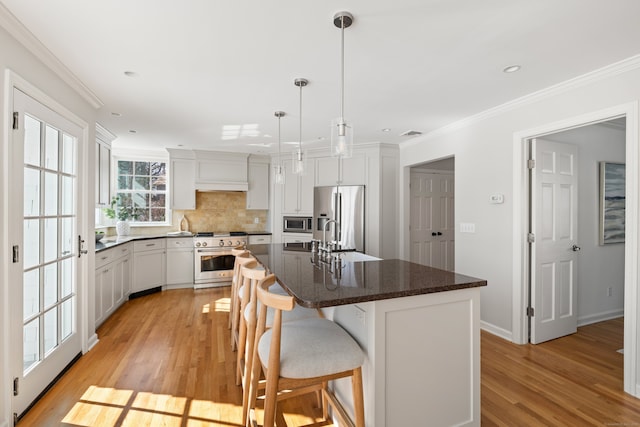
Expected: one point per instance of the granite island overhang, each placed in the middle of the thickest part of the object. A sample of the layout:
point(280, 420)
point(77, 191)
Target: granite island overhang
point(419, 327)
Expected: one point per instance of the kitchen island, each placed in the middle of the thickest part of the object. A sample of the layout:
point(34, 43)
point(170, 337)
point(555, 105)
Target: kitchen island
point(419, 327)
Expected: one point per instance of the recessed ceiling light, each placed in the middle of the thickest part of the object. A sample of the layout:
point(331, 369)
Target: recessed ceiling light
point(133, 131)
point(131, 74)
point(511, 69)
point(114, 114)
point(180, 145)
point(386, 130)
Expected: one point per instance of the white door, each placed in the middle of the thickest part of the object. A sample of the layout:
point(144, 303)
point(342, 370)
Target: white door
point(432, 219)
point(554, 223)
point(44, 330)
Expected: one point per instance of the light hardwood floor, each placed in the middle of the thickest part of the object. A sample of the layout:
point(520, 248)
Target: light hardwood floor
point(165, 359)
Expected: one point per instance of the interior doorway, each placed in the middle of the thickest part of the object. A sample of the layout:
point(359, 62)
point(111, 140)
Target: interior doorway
point(575, 278)
point(432, 214)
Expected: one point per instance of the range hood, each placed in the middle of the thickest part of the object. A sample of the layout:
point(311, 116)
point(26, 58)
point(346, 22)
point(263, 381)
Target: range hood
point(221, 171)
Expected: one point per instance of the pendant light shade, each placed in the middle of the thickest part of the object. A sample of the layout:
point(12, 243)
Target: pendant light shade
point(278, 171)
point(299, 158)
point(341, 130)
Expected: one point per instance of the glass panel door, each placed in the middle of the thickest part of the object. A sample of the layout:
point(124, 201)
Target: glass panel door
point(45, 177)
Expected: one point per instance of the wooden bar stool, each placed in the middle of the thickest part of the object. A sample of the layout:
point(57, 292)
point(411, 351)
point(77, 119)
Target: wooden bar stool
point(236, 252)
point(252, 275)
point(236, 297)
point(301, 356)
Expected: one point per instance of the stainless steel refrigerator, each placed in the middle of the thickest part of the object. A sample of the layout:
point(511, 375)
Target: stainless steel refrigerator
point(345, 205)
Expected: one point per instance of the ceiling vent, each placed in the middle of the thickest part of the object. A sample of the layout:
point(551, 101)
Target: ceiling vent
point(411, 133)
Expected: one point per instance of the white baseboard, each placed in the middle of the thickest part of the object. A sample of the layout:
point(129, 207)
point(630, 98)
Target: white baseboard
point(600, 317)
point(495, 330)
point(182, 286)
point(93, 340)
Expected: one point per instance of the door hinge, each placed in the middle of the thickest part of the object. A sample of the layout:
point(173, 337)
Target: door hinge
point(15, 419)
point(531, 163)
point(16, 384)
point(15, 120)
point(531, 238)
point(530, 311)
point(16, 254)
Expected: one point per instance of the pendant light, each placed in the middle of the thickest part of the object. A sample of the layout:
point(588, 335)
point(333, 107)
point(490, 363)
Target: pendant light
point(278, 172)
point(341, 130)
point(299, 159)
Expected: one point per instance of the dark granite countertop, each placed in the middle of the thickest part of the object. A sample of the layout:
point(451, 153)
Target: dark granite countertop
point(316, 284)
point(113, 241)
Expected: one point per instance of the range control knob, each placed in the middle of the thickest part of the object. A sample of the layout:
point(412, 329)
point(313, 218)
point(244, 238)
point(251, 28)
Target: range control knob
point(204, 243)
point(230, 243)
point(238, 243)
point(198, 245)
point(221, 243)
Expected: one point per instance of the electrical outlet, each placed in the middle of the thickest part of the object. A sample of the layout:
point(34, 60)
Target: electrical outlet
point(256, 220)
point(360, 315)
point(609, 291)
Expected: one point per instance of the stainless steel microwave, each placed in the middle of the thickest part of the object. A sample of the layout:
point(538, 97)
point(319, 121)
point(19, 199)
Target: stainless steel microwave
point(297, 224)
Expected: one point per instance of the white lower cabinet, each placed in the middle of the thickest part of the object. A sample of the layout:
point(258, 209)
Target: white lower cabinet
point(148, 265)
point(259, 239)
point(112, 280)
point(179, 262)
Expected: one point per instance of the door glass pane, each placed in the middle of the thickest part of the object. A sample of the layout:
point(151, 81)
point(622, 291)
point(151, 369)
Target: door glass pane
point(67, 277)
point(50, 193)
point(66, 236)
point(68, 154)
point(31, 192)
point(66, 318)
point(50, 284)
point(67, 195)
point(50, 330)
point(51, 149)
point(31, 244)
point(50, 239)
point(31, 141)
point(31, 343)
point(31, 293)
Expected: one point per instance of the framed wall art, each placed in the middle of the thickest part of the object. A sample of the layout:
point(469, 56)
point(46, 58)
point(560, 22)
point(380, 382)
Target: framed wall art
point(612, 202)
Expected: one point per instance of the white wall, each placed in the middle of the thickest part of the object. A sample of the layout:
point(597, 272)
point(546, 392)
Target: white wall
point(598, 266)
point(16, 58)
point(484, 148)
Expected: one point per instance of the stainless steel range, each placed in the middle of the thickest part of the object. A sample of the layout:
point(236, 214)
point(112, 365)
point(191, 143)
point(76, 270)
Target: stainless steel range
point(213, 258)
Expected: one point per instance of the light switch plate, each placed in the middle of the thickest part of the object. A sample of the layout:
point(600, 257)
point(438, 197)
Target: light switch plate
point(467, 227)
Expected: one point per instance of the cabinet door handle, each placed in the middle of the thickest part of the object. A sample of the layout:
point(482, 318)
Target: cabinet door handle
point(150, 244)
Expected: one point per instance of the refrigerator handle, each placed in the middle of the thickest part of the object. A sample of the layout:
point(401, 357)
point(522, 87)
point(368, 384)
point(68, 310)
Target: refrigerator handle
point(338, 224)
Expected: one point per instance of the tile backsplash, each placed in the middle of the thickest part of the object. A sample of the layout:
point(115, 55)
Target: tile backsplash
point(221, 211)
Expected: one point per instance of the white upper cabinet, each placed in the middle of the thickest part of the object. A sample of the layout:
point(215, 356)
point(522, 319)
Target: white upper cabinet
point(258, 177)
point(182, 178)
point(103, 165)
point(297, 194)
point(339, 171)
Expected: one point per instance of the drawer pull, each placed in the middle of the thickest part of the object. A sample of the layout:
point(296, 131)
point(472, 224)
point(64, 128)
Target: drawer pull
point(104, 257)
point(150, 244)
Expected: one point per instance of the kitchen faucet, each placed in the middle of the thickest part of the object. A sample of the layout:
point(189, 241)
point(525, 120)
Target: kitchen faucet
point(325, 245)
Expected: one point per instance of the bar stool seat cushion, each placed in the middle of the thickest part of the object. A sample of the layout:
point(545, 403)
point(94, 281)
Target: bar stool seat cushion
point(313, 347)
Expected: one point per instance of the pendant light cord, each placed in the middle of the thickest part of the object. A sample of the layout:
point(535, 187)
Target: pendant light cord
point(342, 69)
point(300, 139)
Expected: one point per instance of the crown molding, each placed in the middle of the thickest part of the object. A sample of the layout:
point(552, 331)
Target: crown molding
point(608, 71)
point(25, 37)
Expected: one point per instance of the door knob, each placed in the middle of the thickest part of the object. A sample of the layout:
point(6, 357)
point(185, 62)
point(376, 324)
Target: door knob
point(575, 248)
point(439, 233)
point(434, 233)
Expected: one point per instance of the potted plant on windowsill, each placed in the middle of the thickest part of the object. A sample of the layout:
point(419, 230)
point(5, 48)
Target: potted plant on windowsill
point(122, 214)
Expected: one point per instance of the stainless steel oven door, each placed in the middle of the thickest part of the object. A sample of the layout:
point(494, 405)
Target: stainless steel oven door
point(213, 265)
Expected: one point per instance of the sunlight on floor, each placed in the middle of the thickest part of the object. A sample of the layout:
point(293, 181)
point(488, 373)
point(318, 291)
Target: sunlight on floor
point(109, 407)
point(222, 304)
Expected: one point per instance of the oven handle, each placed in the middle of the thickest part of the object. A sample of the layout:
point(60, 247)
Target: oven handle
point(217, 250)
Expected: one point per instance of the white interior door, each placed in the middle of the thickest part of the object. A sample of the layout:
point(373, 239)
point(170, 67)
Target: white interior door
point(554, 222)
point(432, 219)
point(44, 232)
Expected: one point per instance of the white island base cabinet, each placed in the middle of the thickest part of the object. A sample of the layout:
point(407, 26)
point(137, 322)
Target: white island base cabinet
point(423, 358)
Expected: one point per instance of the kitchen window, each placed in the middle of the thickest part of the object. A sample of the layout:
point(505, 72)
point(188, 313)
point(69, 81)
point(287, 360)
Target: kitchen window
point(142, 186)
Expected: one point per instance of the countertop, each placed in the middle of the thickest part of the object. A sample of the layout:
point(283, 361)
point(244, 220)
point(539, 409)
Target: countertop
point(316, 284)
point(112, 241)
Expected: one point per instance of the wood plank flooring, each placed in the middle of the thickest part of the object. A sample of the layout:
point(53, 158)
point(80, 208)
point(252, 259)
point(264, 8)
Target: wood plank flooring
point(165, 359)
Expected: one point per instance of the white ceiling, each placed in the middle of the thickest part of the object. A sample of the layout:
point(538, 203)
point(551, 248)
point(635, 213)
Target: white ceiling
point(203, 65)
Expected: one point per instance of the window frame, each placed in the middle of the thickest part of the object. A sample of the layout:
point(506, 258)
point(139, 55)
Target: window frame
point(142, 158)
